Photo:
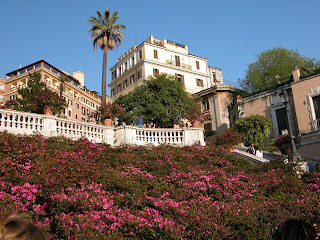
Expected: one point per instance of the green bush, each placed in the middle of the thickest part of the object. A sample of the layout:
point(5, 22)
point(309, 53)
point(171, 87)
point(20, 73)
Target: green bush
point(255, 129)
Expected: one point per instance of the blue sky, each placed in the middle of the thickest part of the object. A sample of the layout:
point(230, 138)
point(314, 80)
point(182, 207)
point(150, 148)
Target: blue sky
point(229, 33)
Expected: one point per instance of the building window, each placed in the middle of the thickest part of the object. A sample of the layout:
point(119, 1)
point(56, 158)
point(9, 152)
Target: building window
point(14, 96)
point(112, 92)
point(114, 74)
point(77, 105)
point(180, 78)
point(69, 113)
point(140, 74)
point(132, 61)
point(155, 72)
point(87, 102)
point(132, 79)
point(155, 54)
point(76, 116)
point(177, 58)
point(197, 65)
point(316, 105)
point(119, 88)
point(214, 78)
point(125, 83)
point(29, 68)
point(125, 66)
point(199, 82)
point(140, 54)
point(83, 111)
point(205, 105)
point(88, 112)
point(83, 119)
point(1, 86)
point(1, 98)
point(69, 102)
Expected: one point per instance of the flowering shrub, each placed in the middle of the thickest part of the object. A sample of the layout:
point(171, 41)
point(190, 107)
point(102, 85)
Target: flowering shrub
point(82, 190)
point(283, 141)
point(108, 111)
point(193, 113)
point(229, 138)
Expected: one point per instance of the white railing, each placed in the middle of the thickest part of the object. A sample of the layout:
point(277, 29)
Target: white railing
point(30, 123)
point(156, 136)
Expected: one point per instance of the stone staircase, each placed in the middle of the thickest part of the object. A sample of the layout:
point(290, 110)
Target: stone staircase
point(267, 156)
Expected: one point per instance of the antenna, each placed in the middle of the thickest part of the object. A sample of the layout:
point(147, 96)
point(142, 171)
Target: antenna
point(248, 52)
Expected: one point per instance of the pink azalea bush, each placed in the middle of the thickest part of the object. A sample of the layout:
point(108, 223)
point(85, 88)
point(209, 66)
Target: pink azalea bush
point(229, 138)
point(81, 190)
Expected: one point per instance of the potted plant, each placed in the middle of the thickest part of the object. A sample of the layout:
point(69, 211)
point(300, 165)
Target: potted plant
point(229, 139)
point(195, 116)
point(108, 113)
point(283, 143)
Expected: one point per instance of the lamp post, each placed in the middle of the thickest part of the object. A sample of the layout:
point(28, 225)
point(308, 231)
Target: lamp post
point(179, 105)
point(285, 100)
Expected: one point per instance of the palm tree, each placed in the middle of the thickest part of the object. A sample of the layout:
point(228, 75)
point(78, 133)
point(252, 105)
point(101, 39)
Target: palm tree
point(107, 35)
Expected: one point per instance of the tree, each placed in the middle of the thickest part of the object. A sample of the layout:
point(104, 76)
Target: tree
point(156, 101)
point(255, 129)
point(107, 35)
point(37, 95)
point(274, 66)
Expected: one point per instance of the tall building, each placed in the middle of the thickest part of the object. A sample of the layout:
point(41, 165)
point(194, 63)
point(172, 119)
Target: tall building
point(1, 91)
point(81, 101)
point(154, 56)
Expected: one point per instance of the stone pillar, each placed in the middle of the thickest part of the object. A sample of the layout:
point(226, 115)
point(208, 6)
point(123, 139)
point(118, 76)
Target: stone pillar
point(193, 136)
point(49, 126)
point(125, 135)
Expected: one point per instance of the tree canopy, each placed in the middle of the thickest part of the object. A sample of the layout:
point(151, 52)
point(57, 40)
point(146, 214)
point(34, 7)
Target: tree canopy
point(274, 66)
point(156, 101)
point(37, 95)
point(106, 34)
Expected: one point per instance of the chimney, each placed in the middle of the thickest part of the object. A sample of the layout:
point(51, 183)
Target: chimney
point(296, 73)
point(79, 76)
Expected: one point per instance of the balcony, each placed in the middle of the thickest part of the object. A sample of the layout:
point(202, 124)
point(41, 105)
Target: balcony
point(183, 65)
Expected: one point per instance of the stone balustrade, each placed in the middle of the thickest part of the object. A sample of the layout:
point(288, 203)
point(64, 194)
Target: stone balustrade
point(30, 123)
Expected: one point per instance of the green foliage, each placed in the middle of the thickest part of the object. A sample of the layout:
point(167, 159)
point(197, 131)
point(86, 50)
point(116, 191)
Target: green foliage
point(156, 101)
point(37, 95)
point(255, 129)
point(272, 67)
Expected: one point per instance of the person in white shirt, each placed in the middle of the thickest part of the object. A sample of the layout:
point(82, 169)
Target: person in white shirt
point(259, 153)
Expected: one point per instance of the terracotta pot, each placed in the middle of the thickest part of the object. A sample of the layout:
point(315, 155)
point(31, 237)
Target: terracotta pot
point(286, 151)
point(230, 148)
point(196, 124)
point(48, 111)
point(107, 122)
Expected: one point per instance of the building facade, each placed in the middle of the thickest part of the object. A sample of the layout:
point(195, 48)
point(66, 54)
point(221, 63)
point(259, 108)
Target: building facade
point(155, 56)
point(81, 101)
point(303, 110)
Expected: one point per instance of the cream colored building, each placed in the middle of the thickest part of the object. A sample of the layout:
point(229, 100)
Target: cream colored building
point(155, 56)
point(81, 101)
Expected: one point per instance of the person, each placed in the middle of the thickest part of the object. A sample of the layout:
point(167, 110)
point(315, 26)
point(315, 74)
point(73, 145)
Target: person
point(259, 153)
point(139, 122)
point(294, 229)
point(16, 227)
point(251, 149)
